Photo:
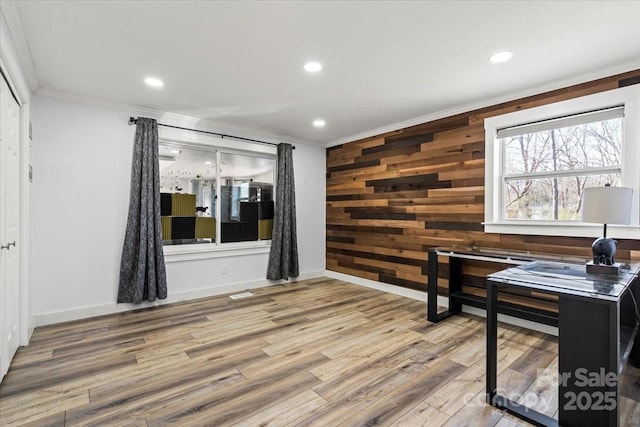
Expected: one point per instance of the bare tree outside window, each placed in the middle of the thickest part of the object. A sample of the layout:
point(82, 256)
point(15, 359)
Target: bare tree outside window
point(546, 172)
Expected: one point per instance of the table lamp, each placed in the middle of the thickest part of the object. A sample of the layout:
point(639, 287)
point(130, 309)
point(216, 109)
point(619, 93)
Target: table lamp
point(606, 205)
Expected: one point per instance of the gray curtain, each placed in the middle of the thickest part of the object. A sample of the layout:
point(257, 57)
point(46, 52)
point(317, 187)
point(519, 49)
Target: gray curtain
point(283, 258)
point(142, 270)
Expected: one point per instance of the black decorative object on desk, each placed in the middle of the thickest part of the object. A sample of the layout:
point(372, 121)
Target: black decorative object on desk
point(606, 205)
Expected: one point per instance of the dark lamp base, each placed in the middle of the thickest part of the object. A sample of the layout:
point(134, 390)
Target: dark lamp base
point(603, 269)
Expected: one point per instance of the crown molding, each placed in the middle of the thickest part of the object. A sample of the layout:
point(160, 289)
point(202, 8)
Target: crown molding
point(465, 108)
point(169, 118)
point(10, 12)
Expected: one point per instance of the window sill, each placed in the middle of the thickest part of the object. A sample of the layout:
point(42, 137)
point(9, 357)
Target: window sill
point(179, 253)
point(545, 228)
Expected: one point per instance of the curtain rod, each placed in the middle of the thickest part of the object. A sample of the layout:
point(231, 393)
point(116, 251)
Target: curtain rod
point(133, 121)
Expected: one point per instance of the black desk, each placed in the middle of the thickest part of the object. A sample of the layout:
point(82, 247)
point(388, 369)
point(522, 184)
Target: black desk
point(597, 328)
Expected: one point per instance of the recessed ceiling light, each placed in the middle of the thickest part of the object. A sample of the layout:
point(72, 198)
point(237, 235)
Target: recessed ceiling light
point(319, 123)
point(153, 82)
point(207, 163)
point(175, 151)
point(313, 67)
point(501, 56)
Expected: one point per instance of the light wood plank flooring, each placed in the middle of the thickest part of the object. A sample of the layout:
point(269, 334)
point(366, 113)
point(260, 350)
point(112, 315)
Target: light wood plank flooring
point(318, 352)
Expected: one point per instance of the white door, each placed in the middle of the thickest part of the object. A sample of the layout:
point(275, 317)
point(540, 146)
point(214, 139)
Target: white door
point(9, 226)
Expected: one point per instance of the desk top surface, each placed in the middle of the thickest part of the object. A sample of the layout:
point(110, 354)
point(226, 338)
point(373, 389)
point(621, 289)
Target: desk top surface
point(567, 278)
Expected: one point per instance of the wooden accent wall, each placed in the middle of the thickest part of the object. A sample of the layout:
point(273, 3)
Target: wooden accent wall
point(393, 196)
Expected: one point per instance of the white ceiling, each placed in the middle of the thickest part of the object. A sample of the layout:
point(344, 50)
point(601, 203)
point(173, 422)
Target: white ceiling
point(239, 63)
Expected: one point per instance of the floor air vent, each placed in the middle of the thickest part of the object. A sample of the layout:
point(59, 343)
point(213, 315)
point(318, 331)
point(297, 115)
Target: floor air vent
point(242, 295)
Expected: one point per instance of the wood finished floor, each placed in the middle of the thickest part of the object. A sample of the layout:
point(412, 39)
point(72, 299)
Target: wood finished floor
point(319, 352)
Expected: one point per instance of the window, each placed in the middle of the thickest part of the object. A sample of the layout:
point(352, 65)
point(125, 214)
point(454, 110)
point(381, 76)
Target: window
point(188, 187)
point(215, 195)
point(246, 190)
point(539, 161)
point(547, 165)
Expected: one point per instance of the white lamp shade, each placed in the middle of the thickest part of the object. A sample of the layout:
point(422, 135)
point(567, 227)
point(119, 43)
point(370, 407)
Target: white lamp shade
point(607, 205)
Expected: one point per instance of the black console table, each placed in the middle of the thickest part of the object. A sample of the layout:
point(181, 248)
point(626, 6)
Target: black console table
point(457, 298)
point(597, 328)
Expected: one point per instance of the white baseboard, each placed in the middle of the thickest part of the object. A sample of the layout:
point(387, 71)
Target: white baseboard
point(442, 301)
point(385, 287)
point(112, 308)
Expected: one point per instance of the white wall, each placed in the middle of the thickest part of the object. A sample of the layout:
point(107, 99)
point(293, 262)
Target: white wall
point(79, 201)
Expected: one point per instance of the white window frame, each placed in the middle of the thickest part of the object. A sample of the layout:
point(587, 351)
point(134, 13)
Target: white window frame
point(188, 252)
point(629, 98)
